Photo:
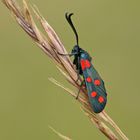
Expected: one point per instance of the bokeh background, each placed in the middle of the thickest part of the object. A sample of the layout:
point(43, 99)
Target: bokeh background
point(29, 103)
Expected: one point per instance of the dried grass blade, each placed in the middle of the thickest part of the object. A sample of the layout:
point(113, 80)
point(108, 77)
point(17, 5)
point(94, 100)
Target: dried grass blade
point(113, 124)
point(101, 125)
point(59, 134)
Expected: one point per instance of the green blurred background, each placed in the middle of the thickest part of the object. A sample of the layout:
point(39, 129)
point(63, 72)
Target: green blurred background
point(29, 103)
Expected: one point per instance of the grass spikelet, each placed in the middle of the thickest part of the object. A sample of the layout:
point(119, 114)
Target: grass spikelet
point(51, 45)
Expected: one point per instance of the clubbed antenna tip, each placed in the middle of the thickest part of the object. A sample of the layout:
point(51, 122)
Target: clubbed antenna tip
point(68, 17)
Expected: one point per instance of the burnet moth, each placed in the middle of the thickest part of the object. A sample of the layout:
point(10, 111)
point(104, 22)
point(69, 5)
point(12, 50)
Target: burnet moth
point(94, 84)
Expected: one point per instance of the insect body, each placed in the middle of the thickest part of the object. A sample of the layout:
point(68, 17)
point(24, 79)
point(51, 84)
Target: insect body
point(94, 84)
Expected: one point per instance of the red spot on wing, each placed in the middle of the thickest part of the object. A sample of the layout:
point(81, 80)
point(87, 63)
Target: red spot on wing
point(97, 82)
point(85, 64)
point(88, 79)
point(93, 94)
point(101, 99)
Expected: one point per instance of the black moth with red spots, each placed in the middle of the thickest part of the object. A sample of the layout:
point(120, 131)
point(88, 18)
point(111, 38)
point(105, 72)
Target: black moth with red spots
point(94, 84)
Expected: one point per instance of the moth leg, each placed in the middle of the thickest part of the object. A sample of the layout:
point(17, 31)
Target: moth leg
point(65, 54)
point(78, 70)
point(82, 83)
point(68, 54)
point(78, 76)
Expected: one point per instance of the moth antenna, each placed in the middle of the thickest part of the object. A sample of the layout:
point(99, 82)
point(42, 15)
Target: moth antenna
point(68, 18)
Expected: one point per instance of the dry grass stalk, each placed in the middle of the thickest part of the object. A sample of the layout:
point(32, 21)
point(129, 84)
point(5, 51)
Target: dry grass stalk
point(59, 134)
point(51, 45)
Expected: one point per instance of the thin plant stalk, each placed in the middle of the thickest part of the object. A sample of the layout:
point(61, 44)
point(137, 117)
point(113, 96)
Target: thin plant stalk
point(59, 134)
